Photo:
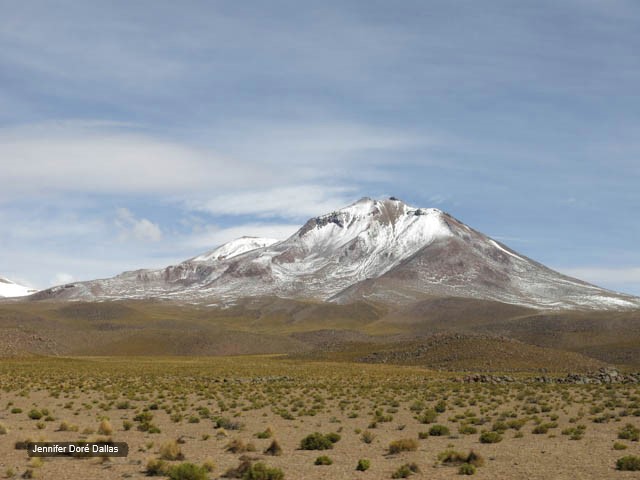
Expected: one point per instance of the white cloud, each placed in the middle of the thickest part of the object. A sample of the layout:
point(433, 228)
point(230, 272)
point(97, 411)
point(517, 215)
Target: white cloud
point(61, 278)
point(101, 159)
point(292, 202)
point(213, 236)
point(138, 228)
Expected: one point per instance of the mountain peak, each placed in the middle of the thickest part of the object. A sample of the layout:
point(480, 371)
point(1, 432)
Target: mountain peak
point(366, 211)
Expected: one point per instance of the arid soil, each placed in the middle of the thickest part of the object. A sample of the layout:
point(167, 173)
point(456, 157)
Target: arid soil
point(208, 404)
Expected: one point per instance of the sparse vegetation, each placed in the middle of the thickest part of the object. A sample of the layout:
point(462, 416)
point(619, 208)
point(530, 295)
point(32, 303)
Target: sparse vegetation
point(156, 467)
point(403, 445)
point(260, 471)
point(273, 449)
point(105, 427)
point(629, 463)
point(318, 441)
point(323, 460)
point(250, 404)
point(629, 432)
point(490, 437)
point(406, 470)
point(187, 471)
point(238, 446)
point(438, 431)
point(467, 469)
point(171, 451)
point(367, 436)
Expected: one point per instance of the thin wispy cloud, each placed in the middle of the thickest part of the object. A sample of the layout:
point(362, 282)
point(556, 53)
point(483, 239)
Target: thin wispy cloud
point(292, 202)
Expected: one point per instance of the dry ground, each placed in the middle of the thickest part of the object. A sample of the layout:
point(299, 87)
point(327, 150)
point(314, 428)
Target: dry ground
point(574, 340)
point(206, 403)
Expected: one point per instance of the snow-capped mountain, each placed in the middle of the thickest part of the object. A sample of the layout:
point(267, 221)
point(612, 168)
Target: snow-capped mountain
point(384, 251)
point(12, 289)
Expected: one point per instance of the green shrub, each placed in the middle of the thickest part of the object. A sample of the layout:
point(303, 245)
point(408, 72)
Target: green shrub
point(467, 469)
point(209, 465)
point(35, 414)
point(318, 441)
point(333, 437)
point(403, 445)
point(268, 433)
point(516, 424)
point(629, 432)
point(619, 446)
point(406, 470)
point(228, 424)
point(438, 431)
point(156, 467)
point(451, 457)
point(187, 471)
point(428, 416)
point(490, 437)
point(475, 459)
point(540, 429)
point(240, 470)
point(323, 460)
point(499, 427)
point(367, 436)
point(544, 428)
point(629, 463)
point(143, 417)
point(261, 471)
point(467, 429)
point(363, 465)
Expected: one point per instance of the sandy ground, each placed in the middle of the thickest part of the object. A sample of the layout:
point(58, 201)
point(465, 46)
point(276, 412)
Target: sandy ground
point(546, 456)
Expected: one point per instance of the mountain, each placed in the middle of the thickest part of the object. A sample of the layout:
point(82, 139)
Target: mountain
point(12, 289)
point(380, 251)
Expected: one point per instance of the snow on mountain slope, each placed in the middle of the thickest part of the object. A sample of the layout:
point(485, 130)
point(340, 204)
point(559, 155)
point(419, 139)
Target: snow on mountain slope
point(470, 264)
point(12, 289)
point(234, 248)
point(333, 251)
point(171, 282)
point(384, 251)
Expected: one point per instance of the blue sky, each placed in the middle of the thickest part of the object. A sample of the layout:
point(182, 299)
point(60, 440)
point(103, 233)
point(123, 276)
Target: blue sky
point(138, 134)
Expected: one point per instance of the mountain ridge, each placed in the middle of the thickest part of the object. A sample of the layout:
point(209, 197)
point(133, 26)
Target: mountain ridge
point(383, 251)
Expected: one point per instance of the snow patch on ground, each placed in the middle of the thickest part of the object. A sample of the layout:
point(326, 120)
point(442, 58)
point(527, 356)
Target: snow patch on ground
point(497, 245)
point(12, 289)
